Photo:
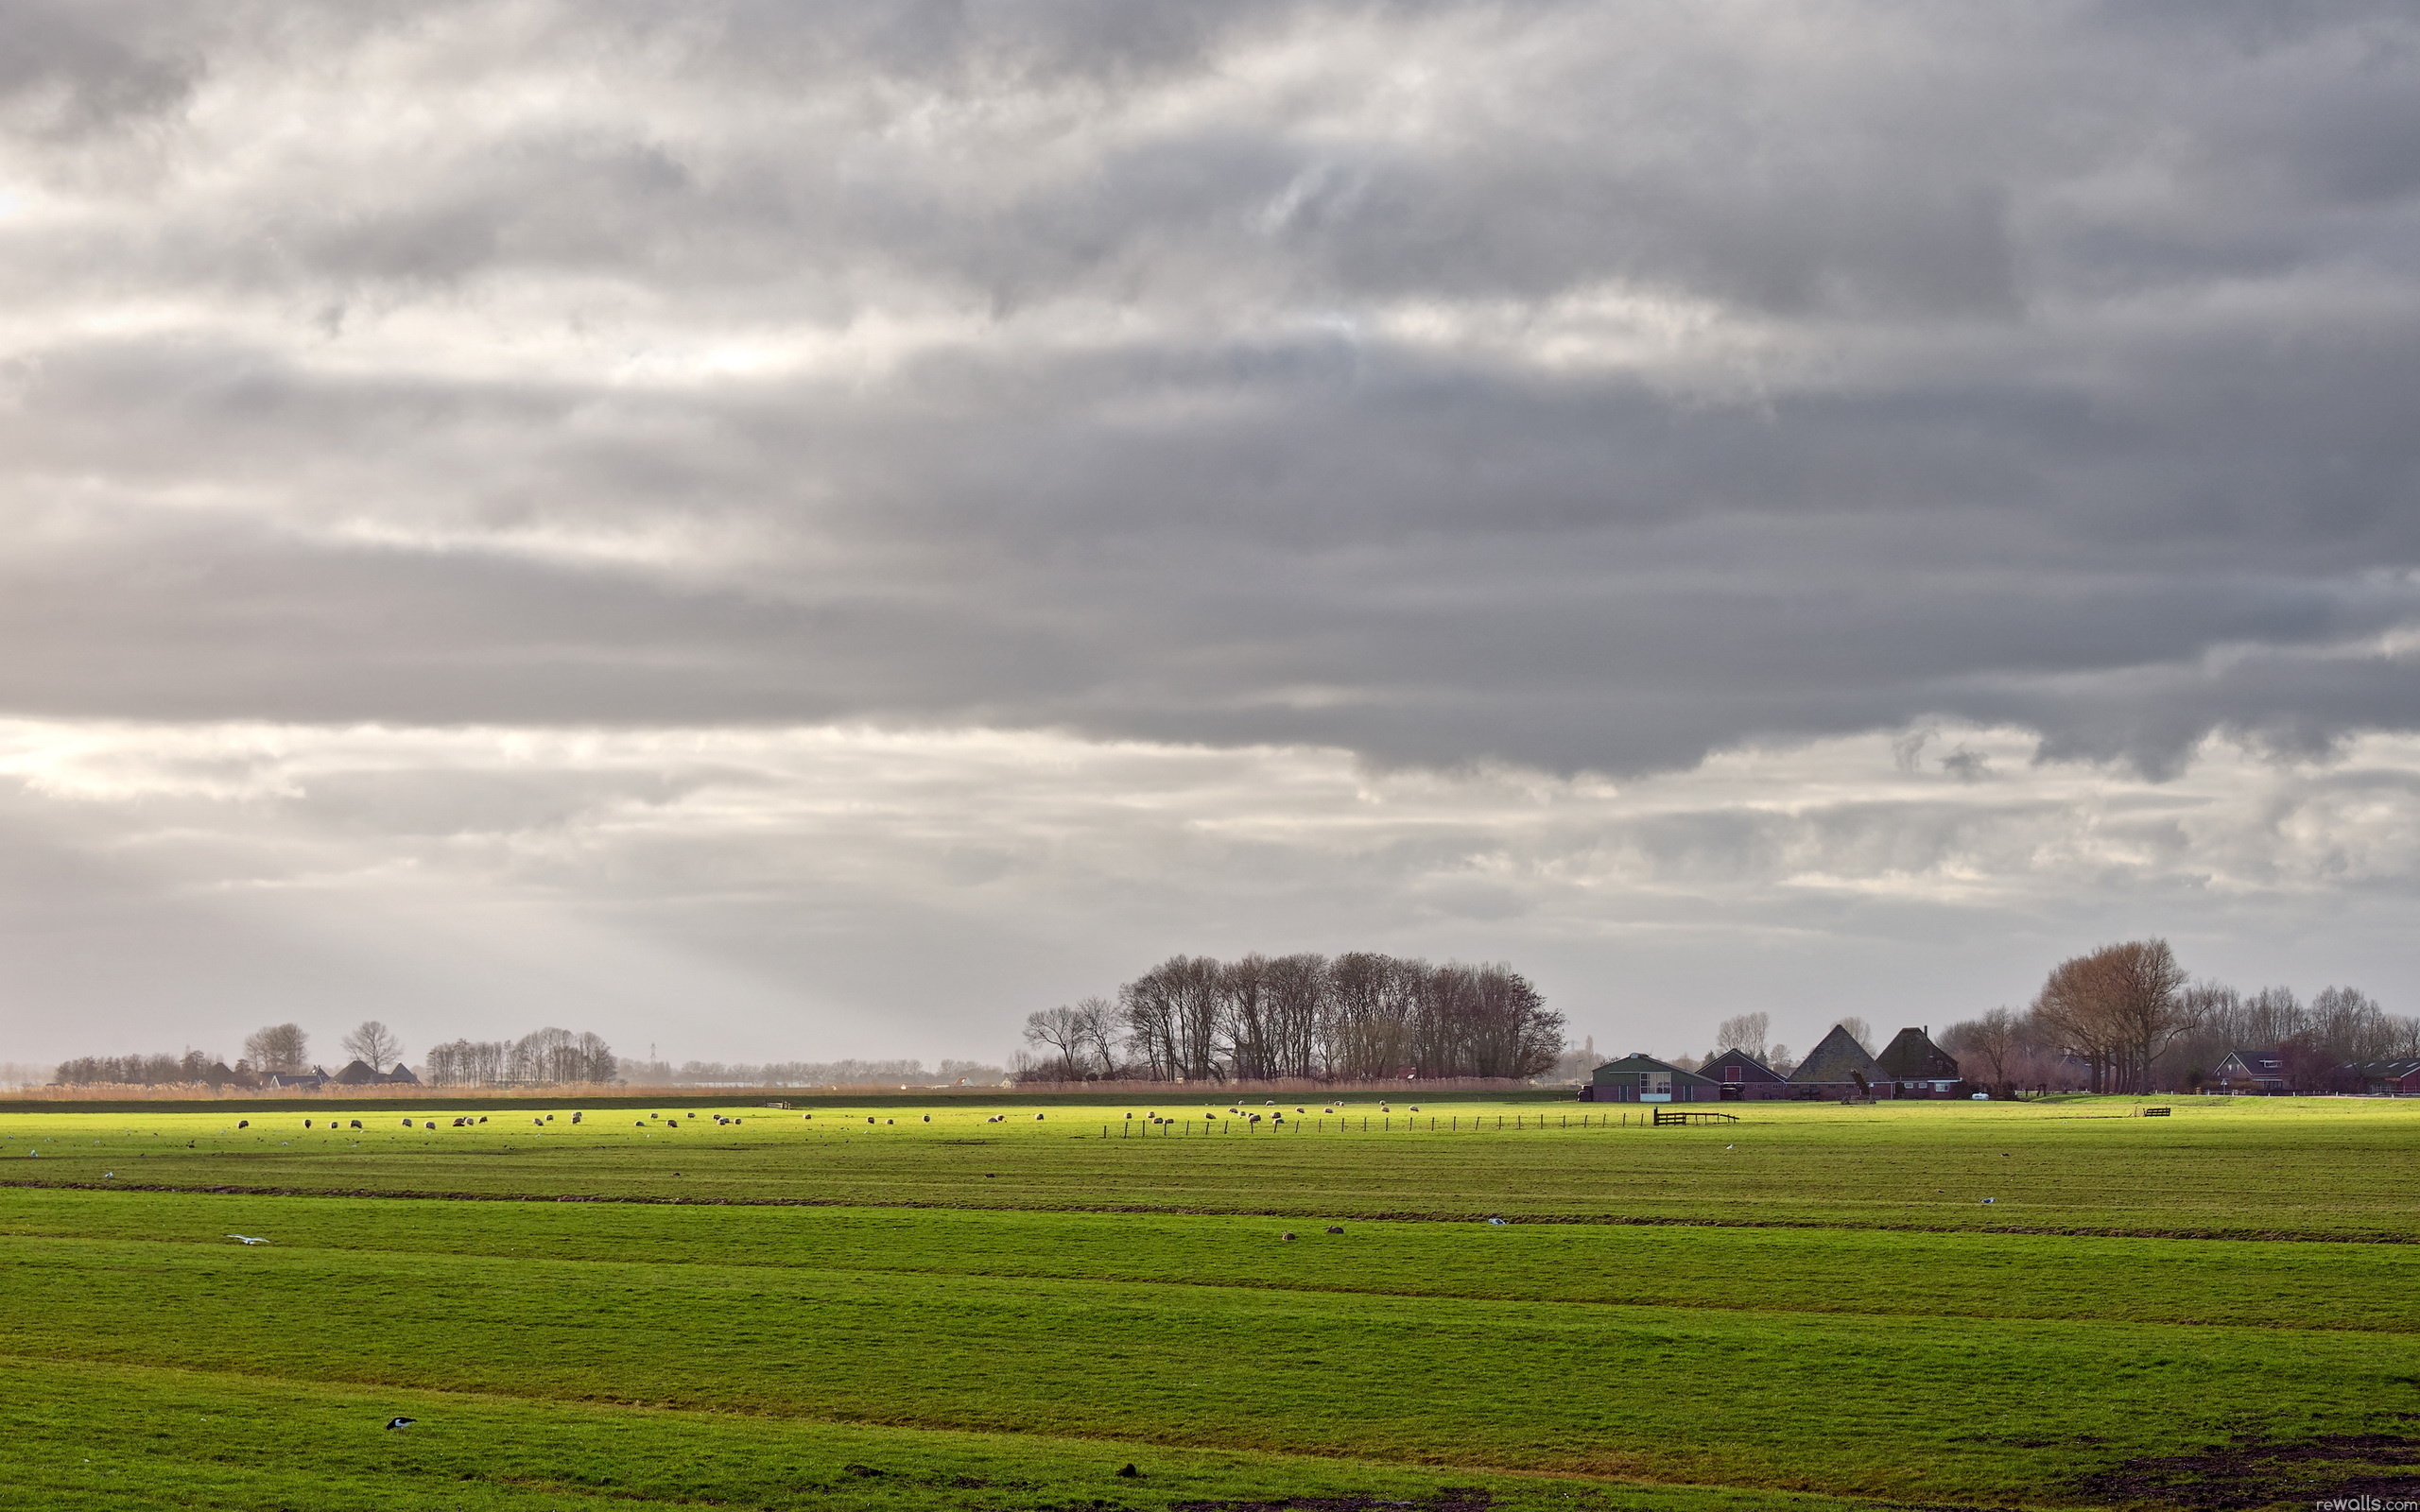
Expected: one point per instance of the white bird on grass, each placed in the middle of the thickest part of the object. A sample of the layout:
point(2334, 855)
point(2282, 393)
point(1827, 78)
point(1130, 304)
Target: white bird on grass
point(246, 1239)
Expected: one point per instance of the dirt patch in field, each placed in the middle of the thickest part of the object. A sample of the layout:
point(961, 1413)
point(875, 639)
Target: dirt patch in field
point(2254, 1473)
point(1447, 1499)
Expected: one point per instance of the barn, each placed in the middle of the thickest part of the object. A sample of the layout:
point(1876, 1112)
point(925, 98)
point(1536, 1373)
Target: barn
point(1646, 1079)
point(1838, 1067)
point(1739, 1076)
point(1918, 1068)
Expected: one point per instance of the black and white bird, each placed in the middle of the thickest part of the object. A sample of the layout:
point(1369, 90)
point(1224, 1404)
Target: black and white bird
point(246, 1239)
point(401, 1422)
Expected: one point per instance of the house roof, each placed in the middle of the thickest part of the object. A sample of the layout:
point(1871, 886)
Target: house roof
point(1911, 1056)
point(2255, 1062)
point(1641, 1065)
point(2389, 1070)
point(1751, 1069)
point(357, 1074)
point(403, 1073)
point(1838, 1058)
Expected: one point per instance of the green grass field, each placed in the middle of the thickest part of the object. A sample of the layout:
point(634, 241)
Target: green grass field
point(1812, 1308)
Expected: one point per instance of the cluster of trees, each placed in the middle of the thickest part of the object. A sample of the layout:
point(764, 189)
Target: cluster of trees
point(549, 1056)
point(809, 1073)
point(1359, 1015)
point(1752, 1033)
point(193, 1068)
point(277, 1049)
point(2126, 1017)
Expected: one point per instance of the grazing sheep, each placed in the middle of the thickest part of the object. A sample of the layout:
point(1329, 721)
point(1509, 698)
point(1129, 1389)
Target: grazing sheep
point(1336, 1228)
point(356, 1122)
point(432, 1123)
point(246, 1123)
point(1037, 1118)
point(1287, 1236)
point(306, 1123)
point(1128, 1472)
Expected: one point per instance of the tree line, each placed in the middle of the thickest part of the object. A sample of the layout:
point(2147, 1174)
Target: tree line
point(810, 1074)
point(1354, 1017)
point(550, 1056)
point(2126, 1017)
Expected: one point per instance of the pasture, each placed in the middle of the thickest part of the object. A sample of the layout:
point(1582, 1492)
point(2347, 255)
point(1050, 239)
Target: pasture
point(1812, 1308)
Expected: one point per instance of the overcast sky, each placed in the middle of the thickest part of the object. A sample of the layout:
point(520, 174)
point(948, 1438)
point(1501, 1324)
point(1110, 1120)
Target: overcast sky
point(787, 531)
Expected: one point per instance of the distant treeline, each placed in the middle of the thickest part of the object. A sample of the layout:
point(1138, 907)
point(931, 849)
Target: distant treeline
point(193, 1068)
point(810, 1074)
point(2125, 1018)
point(549, 1055)
point(1356, 1017)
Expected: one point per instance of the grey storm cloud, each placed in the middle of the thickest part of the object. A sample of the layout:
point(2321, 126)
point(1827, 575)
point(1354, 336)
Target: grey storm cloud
point(1589, 388)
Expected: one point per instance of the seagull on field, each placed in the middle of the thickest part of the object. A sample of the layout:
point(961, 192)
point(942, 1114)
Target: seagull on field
point(246, 1239)
point(401, 1422)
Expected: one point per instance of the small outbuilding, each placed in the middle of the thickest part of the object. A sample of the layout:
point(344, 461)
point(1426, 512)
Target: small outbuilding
point(1646, 1079)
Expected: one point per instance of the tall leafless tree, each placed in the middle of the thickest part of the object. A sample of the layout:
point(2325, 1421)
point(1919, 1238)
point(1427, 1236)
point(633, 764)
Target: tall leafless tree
point(278, 1048)
point(374, 1044)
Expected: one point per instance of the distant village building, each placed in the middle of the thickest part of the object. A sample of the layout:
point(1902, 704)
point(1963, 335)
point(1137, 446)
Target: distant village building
point(1918, 1068)
point(2391, 1078)
point(1739, 1076)
point(2259, 1072)
point(1838, 1067)
point(360, 1074)
point(295, 1081)
point(1645, 1079)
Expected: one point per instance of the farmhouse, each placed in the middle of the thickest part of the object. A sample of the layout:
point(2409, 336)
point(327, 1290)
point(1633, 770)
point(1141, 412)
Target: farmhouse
point(1838, 1067)
point(1918, 1068)
point(2251, 1071)
point(1741, 1077)
point(1645, 1079)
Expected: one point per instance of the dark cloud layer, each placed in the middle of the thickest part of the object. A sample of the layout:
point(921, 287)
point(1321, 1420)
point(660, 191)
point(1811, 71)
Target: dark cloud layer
point(1584, 386)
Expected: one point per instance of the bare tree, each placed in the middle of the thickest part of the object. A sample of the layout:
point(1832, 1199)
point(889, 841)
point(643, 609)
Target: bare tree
point(1992, 1043)
point(1065, 1033)
point(280, 1047)
point(1097, 1035)
point(2117, 1008)
point(1745, 1031)
point(1295, 998)
point(374, 1044)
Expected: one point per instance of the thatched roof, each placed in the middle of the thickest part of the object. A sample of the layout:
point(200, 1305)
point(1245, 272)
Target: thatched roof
point(1911, 1056)
point(1838, 1058)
